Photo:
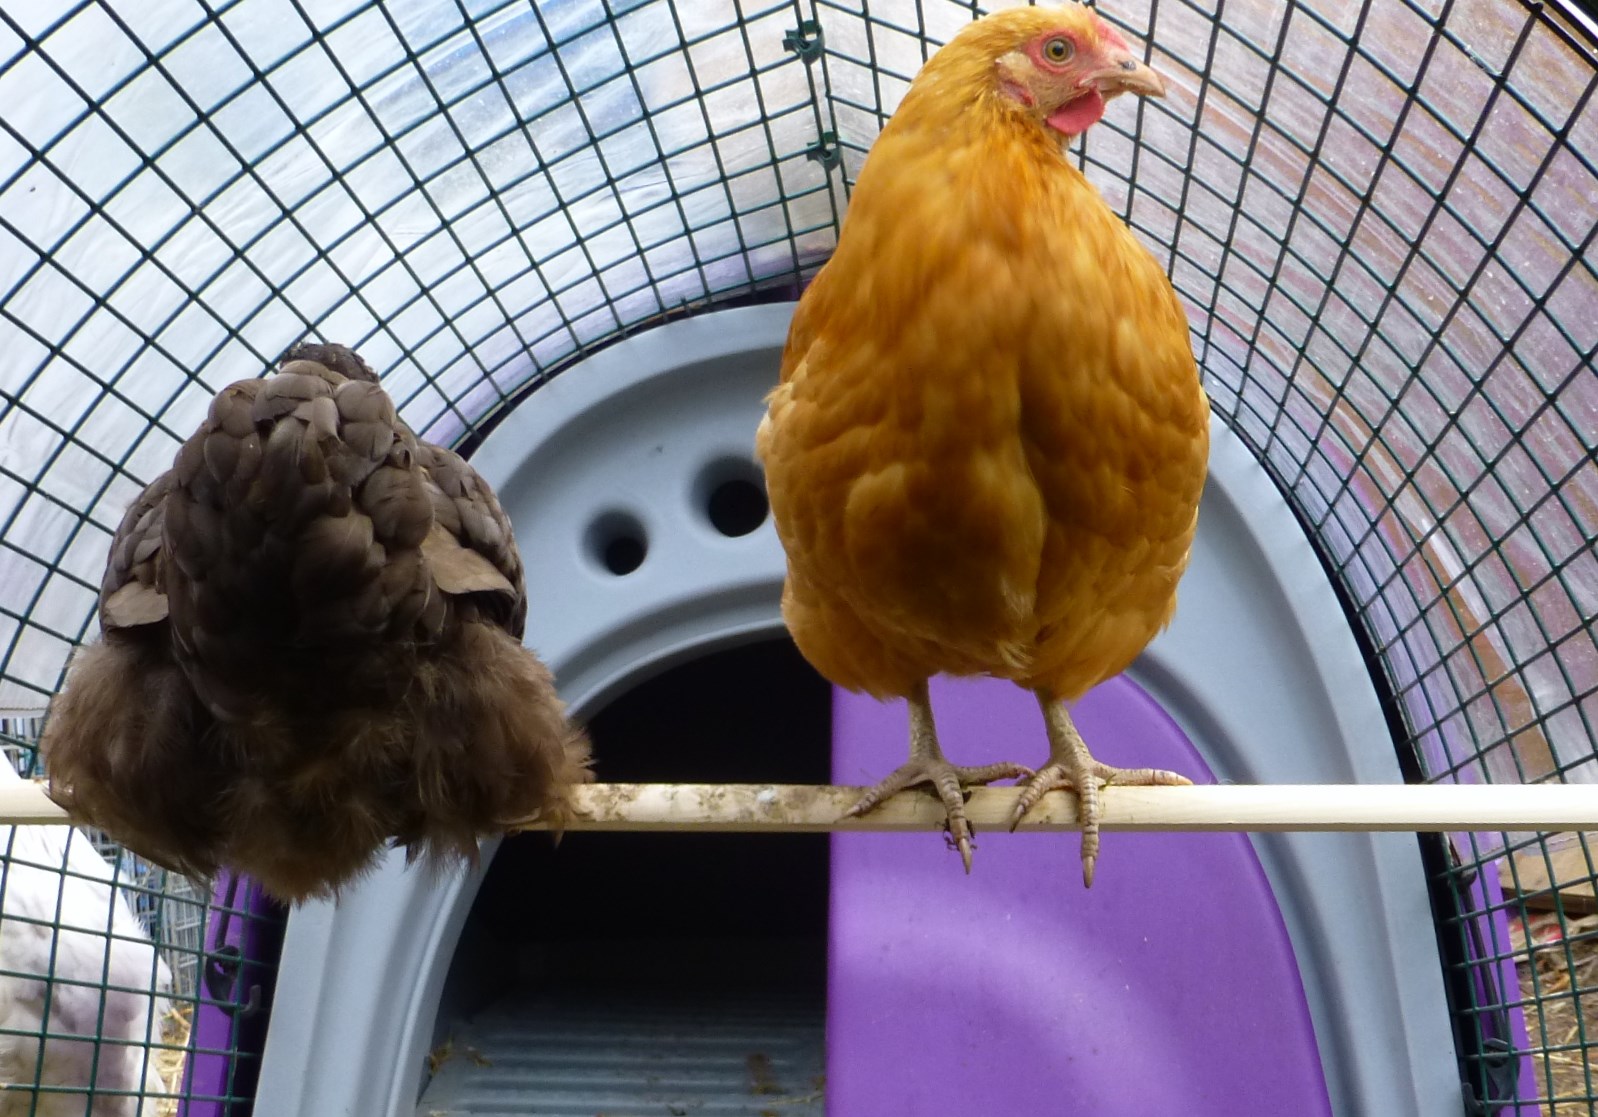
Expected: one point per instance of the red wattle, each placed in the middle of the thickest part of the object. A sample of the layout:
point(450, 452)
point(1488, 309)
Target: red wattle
point(1079, 115)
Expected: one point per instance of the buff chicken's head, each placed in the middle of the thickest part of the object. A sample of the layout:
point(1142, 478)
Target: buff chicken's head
point(1057, 65)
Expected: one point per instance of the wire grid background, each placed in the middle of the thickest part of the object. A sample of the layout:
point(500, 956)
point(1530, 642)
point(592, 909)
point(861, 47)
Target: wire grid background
point(1378, 213)
point(72, 904)
point(170, 908)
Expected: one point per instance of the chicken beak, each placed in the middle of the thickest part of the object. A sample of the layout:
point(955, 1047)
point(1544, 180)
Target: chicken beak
point(1123, 73)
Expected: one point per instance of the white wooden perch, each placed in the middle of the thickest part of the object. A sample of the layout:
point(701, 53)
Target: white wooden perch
point(777, 808)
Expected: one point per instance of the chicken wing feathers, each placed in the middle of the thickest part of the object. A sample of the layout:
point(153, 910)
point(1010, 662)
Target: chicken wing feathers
point(311, 646)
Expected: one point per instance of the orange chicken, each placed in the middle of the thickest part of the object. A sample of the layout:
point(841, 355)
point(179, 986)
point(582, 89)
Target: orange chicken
point(987, 447)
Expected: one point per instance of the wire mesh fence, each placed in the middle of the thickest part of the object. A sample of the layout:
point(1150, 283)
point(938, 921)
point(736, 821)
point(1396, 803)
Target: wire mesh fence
point(109, 966)
point(1379, 214)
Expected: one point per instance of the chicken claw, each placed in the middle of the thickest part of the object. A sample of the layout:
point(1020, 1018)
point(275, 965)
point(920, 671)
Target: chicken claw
point(1071, 766)
point(927, 765)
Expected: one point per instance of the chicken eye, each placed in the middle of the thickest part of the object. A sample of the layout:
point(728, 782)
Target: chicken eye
point(1059, 49)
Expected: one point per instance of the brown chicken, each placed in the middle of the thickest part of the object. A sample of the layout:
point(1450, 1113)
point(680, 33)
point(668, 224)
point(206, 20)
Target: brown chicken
point(986, 451)
point(311, 646)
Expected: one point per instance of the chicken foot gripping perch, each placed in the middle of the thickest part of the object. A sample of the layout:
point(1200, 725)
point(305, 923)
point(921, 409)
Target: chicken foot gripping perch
point(927, 765)
point(311, 647)
point(987, 447)
point(1071, 765)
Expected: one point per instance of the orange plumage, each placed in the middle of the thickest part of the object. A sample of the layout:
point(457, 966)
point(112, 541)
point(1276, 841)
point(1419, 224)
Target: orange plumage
point(986, 451)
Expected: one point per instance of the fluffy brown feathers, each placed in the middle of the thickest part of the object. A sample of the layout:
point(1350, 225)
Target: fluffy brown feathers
point(311, 646)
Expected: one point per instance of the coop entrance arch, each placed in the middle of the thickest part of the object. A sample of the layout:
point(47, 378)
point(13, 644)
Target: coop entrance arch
point(1260, 670)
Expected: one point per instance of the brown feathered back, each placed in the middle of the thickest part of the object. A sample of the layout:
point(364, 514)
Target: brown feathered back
point(311, 646)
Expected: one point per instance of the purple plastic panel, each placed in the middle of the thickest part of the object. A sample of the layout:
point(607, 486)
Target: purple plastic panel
point(1171, 987)
point(244, 931)
point(1497, 983)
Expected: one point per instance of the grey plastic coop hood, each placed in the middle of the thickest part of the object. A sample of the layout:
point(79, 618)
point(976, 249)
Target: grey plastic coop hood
point(631, 437)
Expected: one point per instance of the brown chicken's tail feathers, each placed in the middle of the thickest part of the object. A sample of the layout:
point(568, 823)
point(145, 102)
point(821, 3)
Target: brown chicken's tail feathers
point(495, 702)
point(115, 748)
point(494, 749)
point(480, 743)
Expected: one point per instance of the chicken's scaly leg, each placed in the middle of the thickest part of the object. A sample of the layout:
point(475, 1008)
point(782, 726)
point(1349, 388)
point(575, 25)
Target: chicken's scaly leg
point(927, 765)
point(1071, 765)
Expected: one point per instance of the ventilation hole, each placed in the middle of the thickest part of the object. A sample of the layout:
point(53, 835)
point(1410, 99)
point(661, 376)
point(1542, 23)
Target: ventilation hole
point(616, 541)
point(732, 493)
point(624, 555)
point(737, 507)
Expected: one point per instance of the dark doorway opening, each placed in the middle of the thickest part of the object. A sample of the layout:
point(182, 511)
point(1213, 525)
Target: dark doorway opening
point(675, 970)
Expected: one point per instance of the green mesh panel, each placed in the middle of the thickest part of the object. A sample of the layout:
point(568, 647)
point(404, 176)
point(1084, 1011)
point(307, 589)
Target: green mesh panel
point(1380, 215)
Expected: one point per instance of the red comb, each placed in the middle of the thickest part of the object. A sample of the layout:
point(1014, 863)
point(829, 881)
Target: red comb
point(1113, 37)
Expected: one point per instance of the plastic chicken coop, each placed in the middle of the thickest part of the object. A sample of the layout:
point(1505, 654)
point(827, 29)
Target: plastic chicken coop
point(570, 234)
